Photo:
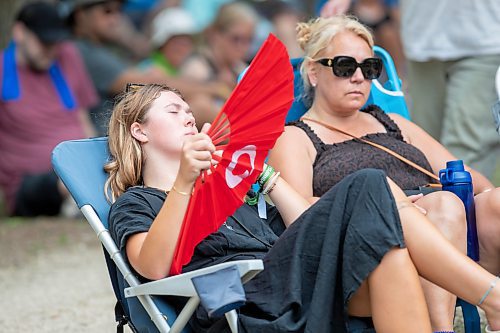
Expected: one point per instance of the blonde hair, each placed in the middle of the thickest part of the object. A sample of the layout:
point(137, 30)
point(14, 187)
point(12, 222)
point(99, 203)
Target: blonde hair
point(126, 161)
point(233, 13)
point(314, 36)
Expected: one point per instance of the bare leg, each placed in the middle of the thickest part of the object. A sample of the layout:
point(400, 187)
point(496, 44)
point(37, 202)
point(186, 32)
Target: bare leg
point(392, 296)
point(438, 261)
point(488, 229)
point(446, 211)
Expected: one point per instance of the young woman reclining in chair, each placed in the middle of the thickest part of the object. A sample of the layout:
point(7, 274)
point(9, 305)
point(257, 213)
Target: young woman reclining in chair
point(357, 252)
point(337, 72)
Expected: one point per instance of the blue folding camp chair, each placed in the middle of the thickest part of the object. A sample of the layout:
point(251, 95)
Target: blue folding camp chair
point(79, 164)
point(390, 98)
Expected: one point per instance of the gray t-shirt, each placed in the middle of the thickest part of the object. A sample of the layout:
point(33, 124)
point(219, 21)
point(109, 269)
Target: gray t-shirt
point(104, 67)
point(450, 29)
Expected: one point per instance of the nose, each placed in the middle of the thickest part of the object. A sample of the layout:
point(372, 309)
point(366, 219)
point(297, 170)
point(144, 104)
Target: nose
point(190, 121)
point(358, 76)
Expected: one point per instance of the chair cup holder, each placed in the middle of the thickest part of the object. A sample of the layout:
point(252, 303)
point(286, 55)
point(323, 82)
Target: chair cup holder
point(220, 291)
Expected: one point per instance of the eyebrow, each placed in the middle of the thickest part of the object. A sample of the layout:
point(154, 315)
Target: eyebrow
point(178, 106)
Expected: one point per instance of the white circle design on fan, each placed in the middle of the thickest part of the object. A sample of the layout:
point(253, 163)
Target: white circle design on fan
point(233, 180)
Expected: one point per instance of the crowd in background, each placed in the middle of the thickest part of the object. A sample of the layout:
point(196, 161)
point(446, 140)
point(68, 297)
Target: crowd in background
point(200, 47)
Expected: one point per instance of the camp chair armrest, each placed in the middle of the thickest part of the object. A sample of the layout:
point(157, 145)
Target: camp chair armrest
point(181, 285)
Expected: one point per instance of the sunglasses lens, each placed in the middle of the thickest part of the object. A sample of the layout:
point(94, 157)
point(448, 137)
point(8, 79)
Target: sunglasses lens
point(344, 66)
point(371, 68)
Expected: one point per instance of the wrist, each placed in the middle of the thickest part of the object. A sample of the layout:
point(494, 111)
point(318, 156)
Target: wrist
point(183, 187)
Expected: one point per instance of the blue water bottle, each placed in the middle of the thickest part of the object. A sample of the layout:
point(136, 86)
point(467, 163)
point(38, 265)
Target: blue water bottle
point(455, 179)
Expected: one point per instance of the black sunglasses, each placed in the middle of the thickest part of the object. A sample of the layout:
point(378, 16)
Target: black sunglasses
point(344, 66)
point(131, 87)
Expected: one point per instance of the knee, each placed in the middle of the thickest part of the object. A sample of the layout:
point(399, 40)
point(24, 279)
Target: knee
point(488, 215)
point(447, 213)
point(493, 202)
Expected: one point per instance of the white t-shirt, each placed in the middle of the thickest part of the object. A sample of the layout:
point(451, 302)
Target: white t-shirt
point(450, 29)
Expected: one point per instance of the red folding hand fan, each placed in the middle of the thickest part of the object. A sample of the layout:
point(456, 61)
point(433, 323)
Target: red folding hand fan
point(245, 129)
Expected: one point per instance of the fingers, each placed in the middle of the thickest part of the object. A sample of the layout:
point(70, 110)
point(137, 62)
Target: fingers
point(421, 209)
point(205, 128)
point(415, 197)
point(200, 141)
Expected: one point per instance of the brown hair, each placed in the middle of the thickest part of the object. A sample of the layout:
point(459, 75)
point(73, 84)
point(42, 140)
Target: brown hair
point(125, 164)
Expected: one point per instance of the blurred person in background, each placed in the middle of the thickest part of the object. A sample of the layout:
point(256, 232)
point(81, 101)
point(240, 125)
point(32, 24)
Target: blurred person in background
point(222, 57)
point(453, 48)
point(45, 96)
point(172, 33)
point(281, 18)
point(93, 23)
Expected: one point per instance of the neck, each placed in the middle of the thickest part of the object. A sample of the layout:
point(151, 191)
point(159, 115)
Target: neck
point(20, 57)
point(218, 58)
point(160, 172)
point(323, 114)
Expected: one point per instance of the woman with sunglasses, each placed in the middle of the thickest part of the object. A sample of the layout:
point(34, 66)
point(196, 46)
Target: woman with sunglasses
point(337, 72)
point(338, 260)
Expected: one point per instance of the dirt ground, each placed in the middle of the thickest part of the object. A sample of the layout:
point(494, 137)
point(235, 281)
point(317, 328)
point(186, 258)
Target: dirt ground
point(53, 278)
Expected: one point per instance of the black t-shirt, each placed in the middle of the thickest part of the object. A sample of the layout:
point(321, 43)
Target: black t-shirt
point(244, 235)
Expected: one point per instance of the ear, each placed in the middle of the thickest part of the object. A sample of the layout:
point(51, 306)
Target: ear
point(18, 31)
point(137, 132)
point(312, 73)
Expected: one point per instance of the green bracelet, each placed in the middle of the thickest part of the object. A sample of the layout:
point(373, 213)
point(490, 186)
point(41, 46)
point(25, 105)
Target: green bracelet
point(265, 175)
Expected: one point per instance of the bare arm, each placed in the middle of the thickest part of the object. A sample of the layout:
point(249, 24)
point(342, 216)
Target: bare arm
point(289, 203)
point(435, 152)
point(151, 253)
point(293, 156)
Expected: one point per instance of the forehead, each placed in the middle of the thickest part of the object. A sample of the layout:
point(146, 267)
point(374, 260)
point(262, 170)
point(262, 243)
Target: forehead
point(348, 43)
point(169, 97)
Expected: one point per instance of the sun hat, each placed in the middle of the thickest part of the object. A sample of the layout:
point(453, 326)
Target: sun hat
point(171, 22)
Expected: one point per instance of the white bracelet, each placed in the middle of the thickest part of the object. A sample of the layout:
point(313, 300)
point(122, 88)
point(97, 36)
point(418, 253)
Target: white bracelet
point(269, 185)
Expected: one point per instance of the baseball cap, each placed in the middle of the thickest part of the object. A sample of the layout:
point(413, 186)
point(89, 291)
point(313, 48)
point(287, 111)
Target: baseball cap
point(171, 22)
point(68, 7)
point(43, 20)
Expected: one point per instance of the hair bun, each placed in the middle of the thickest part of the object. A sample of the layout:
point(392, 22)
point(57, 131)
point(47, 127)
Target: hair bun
point(304, 33)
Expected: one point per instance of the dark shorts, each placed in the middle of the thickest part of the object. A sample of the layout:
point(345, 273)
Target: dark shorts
point(38, 195)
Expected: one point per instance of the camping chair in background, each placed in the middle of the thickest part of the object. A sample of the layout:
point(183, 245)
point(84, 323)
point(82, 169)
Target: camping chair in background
point(386, 92)
point(79, 164)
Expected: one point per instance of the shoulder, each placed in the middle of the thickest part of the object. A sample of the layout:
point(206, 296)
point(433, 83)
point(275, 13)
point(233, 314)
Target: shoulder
point(197, 67)
point(293, 142)
point(406, 127)
point(138, 200)
point(96, 53)
point(295, 135)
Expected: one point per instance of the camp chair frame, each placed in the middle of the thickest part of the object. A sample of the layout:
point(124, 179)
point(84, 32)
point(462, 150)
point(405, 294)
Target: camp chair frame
point(79, 164)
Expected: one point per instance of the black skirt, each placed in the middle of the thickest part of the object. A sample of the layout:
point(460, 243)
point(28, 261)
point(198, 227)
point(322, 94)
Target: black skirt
point(319, 262)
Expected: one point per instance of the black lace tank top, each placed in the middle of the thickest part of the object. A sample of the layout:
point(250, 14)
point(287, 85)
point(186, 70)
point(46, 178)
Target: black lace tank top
point(335, 161)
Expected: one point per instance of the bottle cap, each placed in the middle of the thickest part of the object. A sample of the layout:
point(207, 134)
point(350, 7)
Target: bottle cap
point(454, 173)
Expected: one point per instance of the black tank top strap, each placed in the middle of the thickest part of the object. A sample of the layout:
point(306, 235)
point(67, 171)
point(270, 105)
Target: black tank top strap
point(318, 144)
point(390, 126)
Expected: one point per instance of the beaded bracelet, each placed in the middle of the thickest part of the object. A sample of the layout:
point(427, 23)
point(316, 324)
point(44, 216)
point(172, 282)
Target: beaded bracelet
point(492, 285)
